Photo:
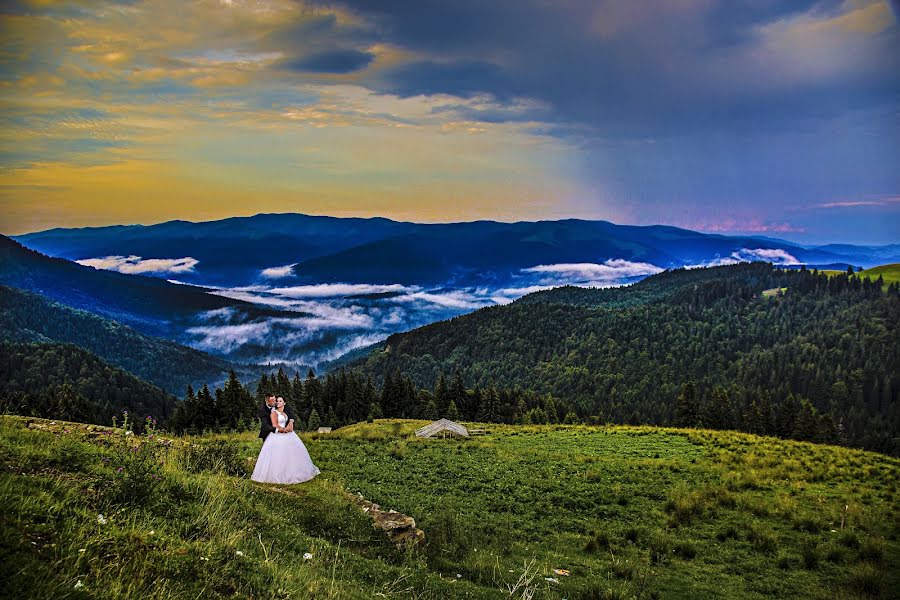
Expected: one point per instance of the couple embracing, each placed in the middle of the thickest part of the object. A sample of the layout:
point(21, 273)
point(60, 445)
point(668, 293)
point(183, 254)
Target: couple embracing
point(283, 458)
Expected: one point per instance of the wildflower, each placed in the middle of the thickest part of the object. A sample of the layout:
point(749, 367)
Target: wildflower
point(120, 469)
point(204, 558)
point(81, 550)
point(78, 585)
point(101, 519)
point(458, 575)
point(152, 532)
point(551, 579)
point(307, 556)
point(129, 432)
point(239, 553)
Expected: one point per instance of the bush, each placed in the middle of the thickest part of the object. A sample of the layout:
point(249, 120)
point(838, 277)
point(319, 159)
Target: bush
point(729, 532)
point(632, 534)
point(809, 553)
point(599, 542)
point(139, 462)
point(848, 539)
point(866, 579)
point(872, 551)
point(686, 549)
point(784, 562)
point(762, 538)
point(447, 536)
point(660, 548)
point(214, 456)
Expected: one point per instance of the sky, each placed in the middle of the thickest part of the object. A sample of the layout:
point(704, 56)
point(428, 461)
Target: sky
point(729, 116)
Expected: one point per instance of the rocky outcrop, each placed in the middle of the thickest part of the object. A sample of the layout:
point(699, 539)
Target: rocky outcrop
point(400, 528)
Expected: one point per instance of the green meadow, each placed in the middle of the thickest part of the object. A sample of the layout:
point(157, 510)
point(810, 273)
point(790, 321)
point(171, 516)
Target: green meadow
point(889, 273)
point(552, 512)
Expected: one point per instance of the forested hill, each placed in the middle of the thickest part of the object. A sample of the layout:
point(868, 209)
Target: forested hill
point(146, 303)
point(62, 381)
point(27, 317)
point(739, 351)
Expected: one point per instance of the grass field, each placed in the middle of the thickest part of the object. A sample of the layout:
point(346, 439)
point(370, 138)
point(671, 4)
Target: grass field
point(890, 273)
point(628, 512)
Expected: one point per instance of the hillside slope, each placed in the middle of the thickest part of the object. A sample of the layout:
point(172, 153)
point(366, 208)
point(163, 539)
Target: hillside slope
point(523, 512)
point(28, 317)
point(63, 381)
point(626, 354)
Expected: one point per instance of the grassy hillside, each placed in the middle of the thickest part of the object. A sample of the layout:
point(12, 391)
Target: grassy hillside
point(889, 273)
point(628, 512)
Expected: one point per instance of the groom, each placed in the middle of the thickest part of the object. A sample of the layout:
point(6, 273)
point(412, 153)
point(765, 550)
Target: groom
point(265, 419)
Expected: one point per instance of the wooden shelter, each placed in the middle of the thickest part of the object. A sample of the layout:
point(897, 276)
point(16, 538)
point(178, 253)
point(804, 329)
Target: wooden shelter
point(444, 427)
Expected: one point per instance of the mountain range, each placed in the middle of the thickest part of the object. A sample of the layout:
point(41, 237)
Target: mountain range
point(304, 249)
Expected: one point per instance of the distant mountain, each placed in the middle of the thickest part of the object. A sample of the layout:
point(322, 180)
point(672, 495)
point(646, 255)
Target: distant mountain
point(236, 251)
point(63, 381)
point(148, 304)
point(229, 251)
point(28, 317)
point(627, 353)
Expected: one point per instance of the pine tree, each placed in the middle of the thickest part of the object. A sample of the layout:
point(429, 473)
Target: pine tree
point(550, 409)
point(686, 406)
point(430, 412)
point(452, 411)
point(314, 421)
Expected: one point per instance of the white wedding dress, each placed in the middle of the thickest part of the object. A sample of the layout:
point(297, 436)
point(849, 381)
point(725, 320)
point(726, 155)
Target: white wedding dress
point(283, 458)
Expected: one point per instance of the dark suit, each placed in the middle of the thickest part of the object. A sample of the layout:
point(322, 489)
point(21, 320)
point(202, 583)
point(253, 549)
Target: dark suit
point(264, 414)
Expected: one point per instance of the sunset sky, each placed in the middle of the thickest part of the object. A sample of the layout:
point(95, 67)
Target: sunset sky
point(750, 116)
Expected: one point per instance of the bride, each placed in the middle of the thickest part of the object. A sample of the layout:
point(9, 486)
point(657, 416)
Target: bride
point(283, 458)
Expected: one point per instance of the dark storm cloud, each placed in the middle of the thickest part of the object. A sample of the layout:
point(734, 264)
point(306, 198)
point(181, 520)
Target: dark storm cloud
point(630, 69)
point(332, 61)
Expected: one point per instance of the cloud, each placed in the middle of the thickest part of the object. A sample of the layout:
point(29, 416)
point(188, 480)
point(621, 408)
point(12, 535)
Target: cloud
point(335, 318)
point(855, 203)
point(278, 272)
point(773, 255)
point(137, 265)
point(457, 299)
point(227, 338)
point(332, 290)
point(609, 271)
point(331, 61)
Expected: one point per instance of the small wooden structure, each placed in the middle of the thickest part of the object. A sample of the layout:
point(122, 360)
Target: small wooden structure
point(444, 427)
point(323, 430)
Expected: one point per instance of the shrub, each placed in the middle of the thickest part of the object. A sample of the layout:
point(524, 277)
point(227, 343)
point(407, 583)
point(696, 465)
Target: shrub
point(848, 539)
point(808, 524)
point(762, 538)
point(872, 550)
point(632, 534)
point(138, 462)
point(866, 579)
point(834, 554)
point(600, 541)
point(809, 552)
point(729, 532)
point(214, 456)
point(447, 536)
point(686, 549)
point(660, 548)
point(623, 569)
